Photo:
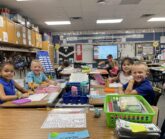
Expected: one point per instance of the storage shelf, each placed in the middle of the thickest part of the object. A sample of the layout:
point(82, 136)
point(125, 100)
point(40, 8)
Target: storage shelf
point(5, 46)
point(17, 45)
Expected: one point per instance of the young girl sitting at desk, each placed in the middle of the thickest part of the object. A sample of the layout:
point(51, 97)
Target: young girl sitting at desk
point(125, 75)
point(8, 85)
point(36, 77)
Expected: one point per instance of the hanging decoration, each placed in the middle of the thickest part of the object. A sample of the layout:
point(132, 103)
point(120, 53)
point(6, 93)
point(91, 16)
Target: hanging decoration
point(57, 46)
point(78, 54)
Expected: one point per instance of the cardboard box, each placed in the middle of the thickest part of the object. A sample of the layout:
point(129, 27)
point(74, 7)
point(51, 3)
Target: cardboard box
point(11, 31)
point(38, 40)
point(19, 33)
point(29, 37)
point(50, 48)
point(24, 35)
point(33, 39)
point(2, 27)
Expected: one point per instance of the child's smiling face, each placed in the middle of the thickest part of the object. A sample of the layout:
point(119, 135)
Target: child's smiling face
point(126, 67)
point(139, 73)
point(7, 72)
point(36, 67)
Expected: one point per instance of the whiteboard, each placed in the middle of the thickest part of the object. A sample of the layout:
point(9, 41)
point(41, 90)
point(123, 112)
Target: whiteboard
point(125, 50)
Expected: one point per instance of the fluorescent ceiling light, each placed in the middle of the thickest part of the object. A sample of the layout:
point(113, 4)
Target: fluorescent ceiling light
point(23, 0)
point(58, 22)
point(156, 19)
point(110, 21)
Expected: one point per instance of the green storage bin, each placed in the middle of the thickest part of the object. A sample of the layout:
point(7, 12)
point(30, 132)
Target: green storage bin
point(133, 117)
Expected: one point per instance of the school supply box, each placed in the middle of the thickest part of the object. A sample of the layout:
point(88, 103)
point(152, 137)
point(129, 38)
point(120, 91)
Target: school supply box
point(132, 108)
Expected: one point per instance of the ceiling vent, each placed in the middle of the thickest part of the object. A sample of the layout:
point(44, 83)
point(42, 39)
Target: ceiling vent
point(128, 2)
point(147, 15)
point(76, 18)
point(101, 1)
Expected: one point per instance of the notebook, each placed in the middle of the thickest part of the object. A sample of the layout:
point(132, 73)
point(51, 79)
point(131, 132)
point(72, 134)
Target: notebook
point(99, 79)
point(21, 101)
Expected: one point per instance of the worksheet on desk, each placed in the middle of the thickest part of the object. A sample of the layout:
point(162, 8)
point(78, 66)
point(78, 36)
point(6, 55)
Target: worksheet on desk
point(37, 97)
point(65, 121)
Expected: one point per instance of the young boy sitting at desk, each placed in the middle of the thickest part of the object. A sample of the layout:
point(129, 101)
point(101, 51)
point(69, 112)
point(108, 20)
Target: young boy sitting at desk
point(36, 77)
point(139, 84)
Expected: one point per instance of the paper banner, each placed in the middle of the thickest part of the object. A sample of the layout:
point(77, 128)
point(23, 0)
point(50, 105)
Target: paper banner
point(78, 54)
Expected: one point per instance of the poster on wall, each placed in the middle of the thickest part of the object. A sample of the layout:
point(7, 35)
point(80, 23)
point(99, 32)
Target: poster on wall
point(78, 54)
point(66, 53)
point(144, 48)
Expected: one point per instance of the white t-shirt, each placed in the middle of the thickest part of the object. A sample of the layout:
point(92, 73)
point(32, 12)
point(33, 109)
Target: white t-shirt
point(124, 79)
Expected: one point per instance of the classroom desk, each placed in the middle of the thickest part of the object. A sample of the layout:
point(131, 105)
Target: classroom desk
point(26, 124)
point(160, 69)
point(99, 71)
point(45, 102)
point(100, 90)
point(69, 72)
point(154, 65)
point(98, 101)
point(158, 73)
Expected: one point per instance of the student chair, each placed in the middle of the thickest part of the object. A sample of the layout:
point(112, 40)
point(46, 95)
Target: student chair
point(156, 77)
point(158, 93)
point(162, 135)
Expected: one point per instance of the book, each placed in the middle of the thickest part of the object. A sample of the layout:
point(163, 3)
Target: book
point(21, 101)
point(69, 135)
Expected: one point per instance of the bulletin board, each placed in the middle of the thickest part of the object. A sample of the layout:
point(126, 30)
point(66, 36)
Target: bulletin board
point(127, 50)
point(43, 56)
point(144, 48)
point(87, 52)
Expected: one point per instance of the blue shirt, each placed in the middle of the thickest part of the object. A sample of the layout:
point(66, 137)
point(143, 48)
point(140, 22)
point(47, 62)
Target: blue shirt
point(9, 87)
point(31, 77)
point(145, 89)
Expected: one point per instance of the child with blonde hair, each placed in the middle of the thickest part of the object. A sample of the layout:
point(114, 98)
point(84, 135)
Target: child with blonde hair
point(36, 77)
point(140, 84)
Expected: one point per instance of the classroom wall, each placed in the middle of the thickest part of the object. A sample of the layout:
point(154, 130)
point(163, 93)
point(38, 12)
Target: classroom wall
point(127, 40)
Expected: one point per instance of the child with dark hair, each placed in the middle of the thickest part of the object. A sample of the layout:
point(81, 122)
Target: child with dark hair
point(125, 74)
point(8, 85)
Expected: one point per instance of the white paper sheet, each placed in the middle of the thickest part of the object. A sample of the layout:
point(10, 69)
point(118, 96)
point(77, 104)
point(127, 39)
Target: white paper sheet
point(1, 21)
point(52, 96)
point(68, 111)
point(115, 85)
point(65, 121)
point(37, 97)
point(5, 36)
point(78, 77)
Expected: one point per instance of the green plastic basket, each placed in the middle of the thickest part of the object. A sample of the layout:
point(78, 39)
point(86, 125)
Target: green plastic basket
point(133, 117)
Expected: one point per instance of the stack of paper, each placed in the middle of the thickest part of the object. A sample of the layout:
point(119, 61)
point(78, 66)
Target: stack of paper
point(125, 129)
point(65, 119)
point(78, 77)
point(115, 85)
point(37, 97)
